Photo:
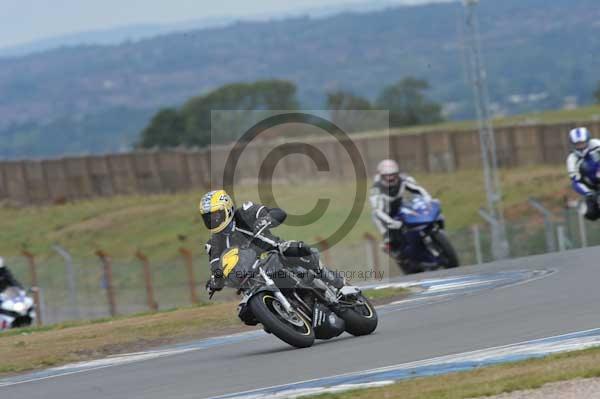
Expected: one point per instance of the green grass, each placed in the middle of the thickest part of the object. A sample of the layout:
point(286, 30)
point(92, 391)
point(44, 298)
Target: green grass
point(488, 381)
point(41, 347)
point(122, 225)
point(386, 293)
point(583, 114)
point(79, 323)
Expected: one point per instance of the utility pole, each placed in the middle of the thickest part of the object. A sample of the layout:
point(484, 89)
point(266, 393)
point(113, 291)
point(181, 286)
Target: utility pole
point(477, 74)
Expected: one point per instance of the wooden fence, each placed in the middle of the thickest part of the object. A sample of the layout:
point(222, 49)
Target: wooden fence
point(52, 181)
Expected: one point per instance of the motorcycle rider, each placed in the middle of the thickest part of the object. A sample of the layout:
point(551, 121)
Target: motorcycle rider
point(251, 225)
point(6, 277)
point(386, 198)
point(583, 148)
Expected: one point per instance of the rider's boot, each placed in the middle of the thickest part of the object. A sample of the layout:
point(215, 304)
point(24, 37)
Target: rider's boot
point(593, 208)
point(339, 283)
point(391, 245)
point(331, 278)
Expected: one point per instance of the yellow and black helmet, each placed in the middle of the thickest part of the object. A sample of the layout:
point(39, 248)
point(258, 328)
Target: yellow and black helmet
point(217, 209)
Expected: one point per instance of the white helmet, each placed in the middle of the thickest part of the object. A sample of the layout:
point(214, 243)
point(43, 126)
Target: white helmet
point(580, 140)
point(389, 172)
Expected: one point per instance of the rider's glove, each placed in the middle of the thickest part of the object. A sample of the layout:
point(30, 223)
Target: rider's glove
point(294, 248)
point(283, 246)
point(214, 285)
point(395, 225)
point(262, 223)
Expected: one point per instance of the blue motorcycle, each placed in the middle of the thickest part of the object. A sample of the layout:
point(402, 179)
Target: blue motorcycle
point(422, 244)
point(590, 171)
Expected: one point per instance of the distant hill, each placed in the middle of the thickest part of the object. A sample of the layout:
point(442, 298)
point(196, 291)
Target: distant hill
point(537, 52)
point(111, 36)
point(120, 34)
point(109, 131)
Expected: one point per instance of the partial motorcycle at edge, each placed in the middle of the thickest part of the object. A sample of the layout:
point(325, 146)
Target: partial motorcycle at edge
point(16, 309)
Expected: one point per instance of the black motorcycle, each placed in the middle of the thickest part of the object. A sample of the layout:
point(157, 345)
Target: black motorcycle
point(292, 302)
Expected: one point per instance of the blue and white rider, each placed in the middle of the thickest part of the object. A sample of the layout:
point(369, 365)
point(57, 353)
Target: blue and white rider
point(386, 198)
point(584, 148)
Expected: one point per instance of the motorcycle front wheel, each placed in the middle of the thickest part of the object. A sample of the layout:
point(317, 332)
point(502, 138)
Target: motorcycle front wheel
point(290, 328)
point(409, 267)
point(449, 255)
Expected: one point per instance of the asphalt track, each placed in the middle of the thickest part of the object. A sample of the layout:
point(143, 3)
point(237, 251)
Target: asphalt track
point(561, 297)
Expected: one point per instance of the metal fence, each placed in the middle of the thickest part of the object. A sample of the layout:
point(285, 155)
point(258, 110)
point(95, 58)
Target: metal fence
point(96, 287)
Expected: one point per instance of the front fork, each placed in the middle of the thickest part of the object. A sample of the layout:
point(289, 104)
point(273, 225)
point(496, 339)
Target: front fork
point(329, 297)
point(428, 241)
point(280, 297)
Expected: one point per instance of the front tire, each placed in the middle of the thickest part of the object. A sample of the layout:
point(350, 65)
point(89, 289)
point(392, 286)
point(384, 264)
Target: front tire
point(295, 330)
point(361, 320)
point(449, 255)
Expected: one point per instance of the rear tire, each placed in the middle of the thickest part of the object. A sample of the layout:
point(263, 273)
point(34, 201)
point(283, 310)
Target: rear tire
point(263, 306)
point(410, 267)
point(362, 321)
point(23, 321)
point(446, 248)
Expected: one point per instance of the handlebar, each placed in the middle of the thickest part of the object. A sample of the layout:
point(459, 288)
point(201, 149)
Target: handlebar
point(259, 232)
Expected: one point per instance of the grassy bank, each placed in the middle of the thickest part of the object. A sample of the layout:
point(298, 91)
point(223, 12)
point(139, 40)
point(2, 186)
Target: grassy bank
point(582, 114)
point(530, 374)
point(30, 349)
point(386, 294)
point(153, 223)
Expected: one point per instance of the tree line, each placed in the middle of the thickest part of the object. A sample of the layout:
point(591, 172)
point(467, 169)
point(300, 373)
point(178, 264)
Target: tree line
point(193, 125)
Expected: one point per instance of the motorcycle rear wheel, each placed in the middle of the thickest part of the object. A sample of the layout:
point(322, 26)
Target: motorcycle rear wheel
point(361, 320)
point(292, 329)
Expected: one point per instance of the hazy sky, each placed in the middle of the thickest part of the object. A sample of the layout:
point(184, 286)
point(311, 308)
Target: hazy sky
point(26, 20)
